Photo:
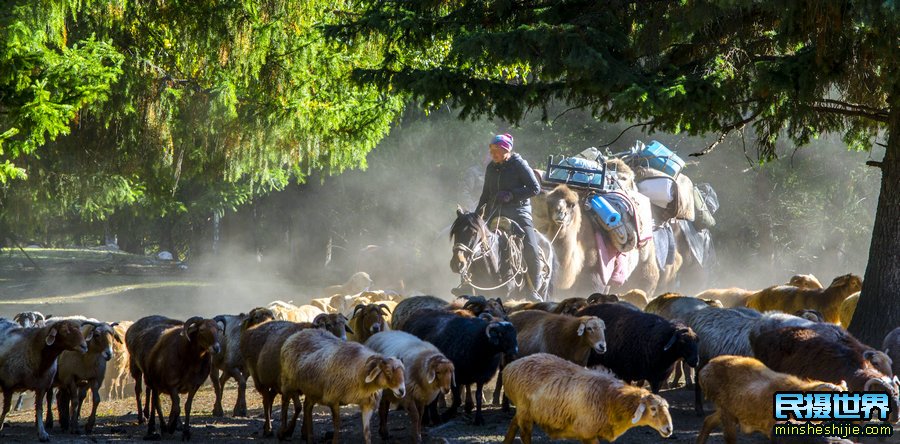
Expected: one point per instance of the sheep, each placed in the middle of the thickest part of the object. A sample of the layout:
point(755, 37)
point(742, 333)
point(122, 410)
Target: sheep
point(285, 311)
point(674, 306)
point(602, 298)
point(742, 389)
point(848, 308)
point(805, 281)
point(571, 338)
point(474, 345)
point(407, 307)
point(807, 353)
point(260, 346)
point(76, 370)
point(28, 359)
point(729, 297)
point(29, 319)
point(789, 299)
point(333, 372)
point(229, 360)
point(115, 378)
point(172, 358)
point(567, 306)
point(428, 374)
point(366, 321)
point(325, 305)
point(360, 281)
point(653, 358)
point(891, 347)
point(636, 297)
point(727, 332)
point(568, 401)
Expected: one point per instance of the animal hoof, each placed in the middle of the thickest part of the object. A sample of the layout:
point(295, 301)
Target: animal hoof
point(218, 412)
point(239, 413)
point(44, 437)
point(268, 433)
point(152, 437)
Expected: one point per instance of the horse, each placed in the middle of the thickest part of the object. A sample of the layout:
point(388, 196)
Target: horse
point(491, 262)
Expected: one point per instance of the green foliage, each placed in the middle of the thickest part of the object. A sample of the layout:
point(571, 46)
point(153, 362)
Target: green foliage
point(178, 109)
point(794, 68)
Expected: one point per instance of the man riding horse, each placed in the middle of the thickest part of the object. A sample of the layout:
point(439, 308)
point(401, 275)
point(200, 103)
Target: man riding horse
point(509, 184)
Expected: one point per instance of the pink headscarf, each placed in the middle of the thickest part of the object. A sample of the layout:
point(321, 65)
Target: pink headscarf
point(503, 141)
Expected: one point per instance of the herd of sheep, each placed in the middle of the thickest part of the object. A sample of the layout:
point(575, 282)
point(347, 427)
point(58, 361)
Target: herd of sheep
point(576, 368)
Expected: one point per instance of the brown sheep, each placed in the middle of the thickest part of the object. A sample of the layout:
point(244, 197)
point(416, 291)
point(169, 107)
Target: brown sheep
point(567, 306)
point(116, 377)
point(743, 389)
point(805, 281)
point(568, 401)
point(636, 297)
point(260, 347)
point(837, 357)
point(570, 338)
point(428, 374)
point(28, 362)
point(790, 299)
point(366, 321)
point(172, 358)
point(285, 311)
point(333, 372)
point(76, 370)
point(848, 308)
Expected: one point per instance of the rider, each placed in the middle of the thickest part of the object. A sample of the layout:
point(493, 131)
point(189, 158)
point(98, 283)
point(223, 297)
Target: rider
point(509, 183)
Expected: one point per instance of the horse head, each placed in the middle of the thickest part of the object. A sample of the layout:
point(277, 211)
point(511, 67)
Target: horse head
point(469, 235)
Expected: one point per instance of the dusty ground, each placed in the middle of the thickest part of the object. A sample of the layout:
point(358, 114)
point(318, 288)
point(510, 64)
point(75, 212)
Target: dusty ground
point(116, 286)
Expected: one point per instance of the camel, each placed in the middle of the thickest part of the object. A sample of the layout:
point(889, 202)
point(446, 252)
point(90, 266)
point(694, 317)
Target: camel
point(558, 216)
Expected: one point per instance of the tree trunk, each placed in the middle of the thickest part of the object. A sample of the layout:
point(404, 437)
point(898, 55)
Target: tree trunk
point(878, 311)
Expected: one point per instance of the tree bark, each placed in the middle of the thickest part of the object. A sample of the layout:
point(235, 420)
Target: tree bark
point(878, 311)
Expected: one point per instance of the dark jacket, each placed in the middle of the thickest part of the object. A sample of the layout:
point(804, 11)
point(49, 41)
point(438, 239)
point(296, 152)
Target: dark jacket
point(515, 176)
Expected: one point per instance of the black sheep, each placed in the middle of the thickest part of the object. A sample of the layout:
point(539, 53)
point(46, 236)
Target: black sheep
point(474, 345)
point(642, 346)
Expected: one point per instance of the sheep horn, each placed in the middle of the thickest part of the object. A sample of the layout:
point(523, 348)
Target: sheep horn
point(385, 308)
point(321, 317)
point(871, 382)
point(357, 309)
point(191, 326)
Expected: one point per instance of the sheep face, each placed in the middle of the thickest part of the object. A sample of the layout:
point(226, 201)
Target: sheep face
point(334, 323)
point(653, 411)
point(67, 336)
point(30, 319)
point(440, 373)
point(257, 316)
point(881, 361)
point(386, 373)
point(502, 335)
point(685, 340)
point(593, 330)
point(372, 318)
point(851, 281)
point(204, 334)
point(562, 203)
point(100, 339)
point(479, 305)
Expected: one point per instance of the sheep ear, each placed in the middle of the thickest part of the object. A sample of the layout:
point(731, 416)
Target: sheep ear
point(51, 337)
point(581, 329)
point(671, 341)
point(375, 363)
point(639, 412)
point(868, 354)
point(221, 326)
point(347, 327)
point(90, 334)
point(117, 337)
point(432, 374)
